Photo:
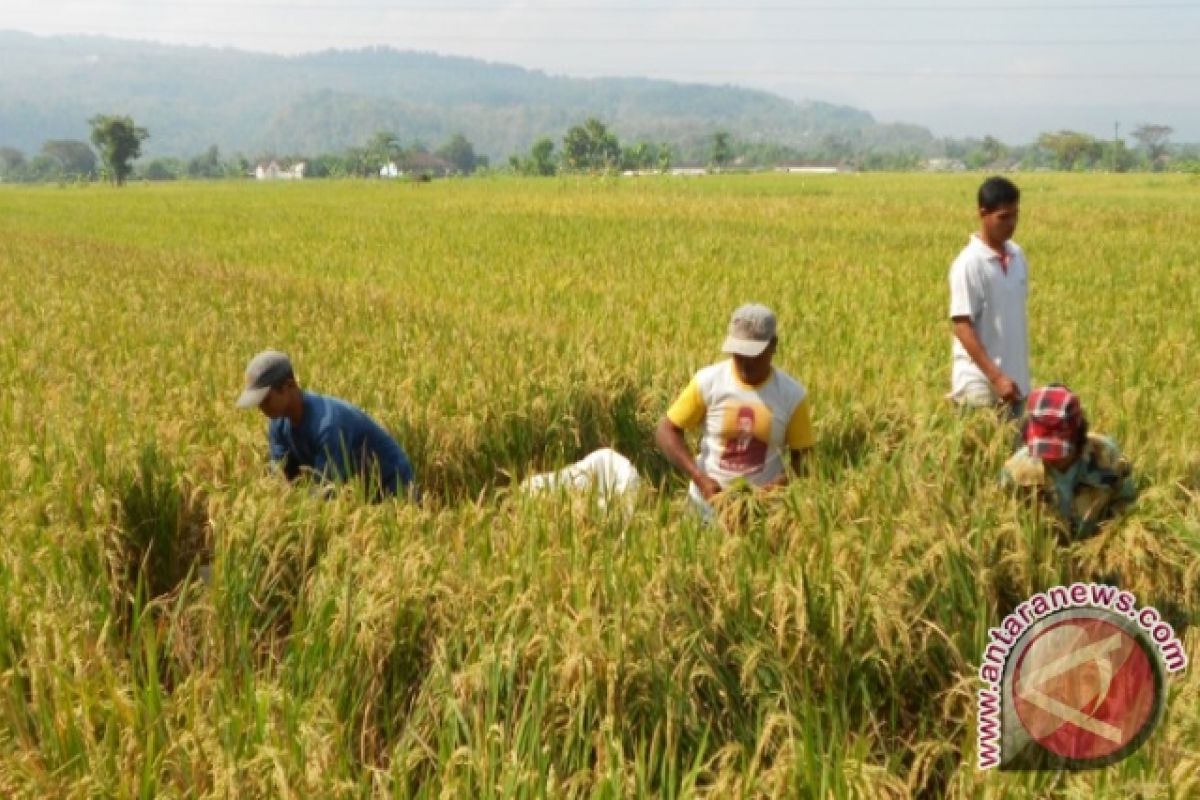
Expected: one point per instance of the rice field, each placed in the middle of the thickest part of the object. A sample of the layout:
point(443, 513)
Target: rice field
point(486, 644)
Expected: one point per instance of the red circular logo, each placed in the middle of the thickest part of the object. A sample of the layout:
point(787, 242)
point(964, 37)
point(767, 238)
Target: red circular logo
point(1085, 688)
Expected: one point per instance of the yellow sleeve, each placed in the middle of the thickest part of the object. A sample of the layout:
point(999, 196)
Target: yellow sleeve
point(688, 410)
point(799, 430)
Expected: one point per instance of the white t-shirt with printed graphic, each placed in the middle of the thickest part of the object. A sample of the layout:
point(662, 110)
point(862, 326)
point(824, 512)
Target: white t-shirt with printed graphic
point(994, 298)
point(746, 429)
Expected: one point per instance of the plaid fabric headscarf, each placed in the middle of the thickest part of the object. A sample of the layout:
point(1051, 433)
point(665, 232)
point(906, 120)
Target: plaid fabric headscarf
point(1053, 421)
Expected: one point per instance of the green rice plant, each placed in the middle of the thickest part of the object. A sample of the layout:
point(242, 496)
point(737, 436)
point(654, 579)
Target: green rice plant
point(176, 622)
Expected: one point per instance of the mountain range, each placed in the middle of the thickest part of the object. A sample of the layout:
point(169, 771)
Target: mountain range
point(190, 98)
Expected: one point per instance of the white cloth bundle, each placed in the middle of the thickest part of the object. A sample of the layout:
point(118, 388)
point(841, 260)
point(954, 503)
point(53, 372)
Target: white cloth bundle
point(606, 472)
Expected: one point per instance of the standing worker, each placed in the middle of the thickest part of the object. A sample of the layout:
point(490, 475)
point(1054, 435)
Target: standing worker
point(988, 290)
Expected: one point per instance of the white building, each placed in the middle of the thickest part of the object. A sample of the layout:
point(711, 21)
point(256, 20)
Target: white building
point(274, 172)
point(945, 165)
point(804, 169)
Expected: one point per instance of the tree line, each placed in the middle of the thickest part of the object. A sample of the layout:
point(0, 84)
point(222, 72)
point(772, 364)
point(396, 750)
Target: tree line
point(589, 147)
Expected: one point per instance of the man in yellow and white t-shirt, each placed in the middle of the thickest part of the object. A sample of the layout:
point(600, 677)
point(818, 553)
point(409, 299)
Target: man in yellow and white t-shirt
point(750, 413)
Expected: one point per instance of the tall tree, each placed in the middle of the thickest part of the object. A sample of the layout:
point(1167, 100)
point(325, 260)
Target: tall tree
point(542, 156)
point(359, 163)
point(1118, 157)
point(236, 167)
point(460, 152)
point(384, 148)
point(722, 153)
point(163, 169)
point(992, 150)
point(590, 147)
point(1071, 149)
point(1154, 139)
point(207, 165)
point(44, 168)
point(119, 141)
point(664, 157)
point(74, 157)
point(12, 164)
point(989, 152)
point(643, 155)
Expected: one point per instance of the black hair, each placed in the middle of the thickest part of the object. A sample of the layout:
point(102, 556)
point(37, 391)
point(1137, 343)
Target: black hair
point(997, 191)
point(282, 382)
point(1081, 434)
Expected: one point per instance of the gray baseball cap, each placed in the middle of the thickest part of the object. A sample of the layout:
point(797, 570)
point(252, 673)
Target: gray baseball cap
point(268, 368)
point(751, 329)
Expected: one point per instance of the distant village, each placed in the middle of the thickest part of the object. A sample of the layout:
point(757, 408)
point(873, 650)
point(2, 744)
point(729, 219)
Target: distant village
point(436, 168)
point(587, 148)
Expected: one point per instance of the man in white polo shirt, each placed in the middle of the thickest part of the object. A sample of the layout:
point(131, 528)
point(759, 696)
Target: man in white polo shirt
point(749, 413)
point(988, 289)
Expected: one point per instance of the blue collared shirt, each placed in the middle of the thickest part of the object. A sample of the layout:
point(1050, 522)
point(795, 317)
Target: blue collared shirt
point(338, 441)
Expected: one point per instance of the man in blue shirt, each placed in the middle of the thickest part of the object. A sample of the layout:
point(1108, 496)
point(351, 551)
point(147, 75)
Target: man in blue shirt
point(325, 436)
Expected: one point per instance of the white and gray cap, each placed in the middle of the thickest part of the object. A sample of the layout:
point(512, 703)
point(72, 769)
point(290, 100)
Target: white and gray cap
point(268, 368)
point(751, 329)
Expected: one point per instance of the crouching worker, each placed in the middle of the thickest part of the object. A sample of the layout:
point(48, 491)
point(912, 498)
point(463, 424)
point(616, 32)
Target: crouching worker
point(1082, 475)
point(749, 413)
point(325, 437)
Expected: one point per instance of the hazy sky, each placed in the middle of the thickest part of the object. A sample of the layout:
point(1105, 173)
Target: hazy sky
point(962, 68)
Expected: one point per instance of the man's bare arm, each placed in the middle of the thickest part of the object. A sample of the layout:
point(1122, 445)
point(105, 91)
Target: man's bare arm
point(964, 331)
point(670, 440)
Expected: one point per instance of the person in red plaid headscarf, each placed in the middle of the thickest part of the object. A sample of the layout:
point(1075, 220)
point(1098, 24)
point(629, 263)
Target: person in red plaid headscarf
point(1081, 474)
